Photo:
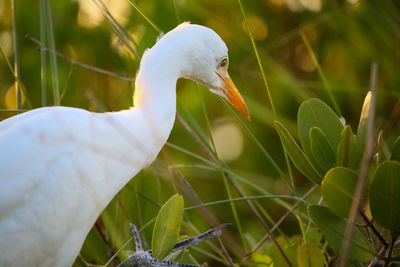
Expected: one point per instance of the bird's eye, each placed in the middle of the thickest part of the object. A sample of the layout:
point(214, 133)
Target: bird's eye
point(223, 62)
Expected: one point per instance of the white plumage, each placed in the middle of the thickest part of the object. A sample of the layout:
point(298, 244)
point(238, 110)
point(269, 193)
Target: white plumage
point(60, 166)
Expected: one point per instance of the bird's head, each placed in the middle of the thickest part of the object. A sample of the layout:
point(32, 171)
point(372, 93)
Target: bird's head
point(205, 60)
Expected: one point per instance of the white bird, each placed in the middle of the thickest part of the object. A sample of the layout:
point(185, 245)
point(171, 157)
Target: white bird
point(61, 166)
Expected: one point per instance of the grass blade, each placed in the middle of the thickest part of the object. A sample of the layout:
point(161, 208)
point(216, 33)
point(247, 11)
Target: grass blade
point(218, 202)
point(258, 59)
point(290, 181)
point(322, 75)
point(144, 16)
point(42, 51)
point(53, 57)
point(120, 31)
point(17, 80)
point(16, 53)
point(256, 141)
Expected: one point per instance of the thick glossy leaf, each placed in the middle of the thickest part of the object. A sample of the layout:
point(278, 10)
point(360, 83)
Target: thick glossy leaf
point(385, 195)
point(313, 235)
point(333, 228)
point(310, 254)
point(296, 154)
point(314, 112)
point(396, 150)
point(383, 154)
point(167, 226)
point(290, 249)
point(338, 189)
point(322, 151)
point(261, 260)
point(347, 152)
point(362, 124)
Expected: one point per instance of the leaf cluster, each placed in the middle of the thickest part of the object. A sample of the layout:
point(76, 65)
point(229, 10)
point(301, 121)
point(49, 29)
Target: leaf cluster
point(330, 156)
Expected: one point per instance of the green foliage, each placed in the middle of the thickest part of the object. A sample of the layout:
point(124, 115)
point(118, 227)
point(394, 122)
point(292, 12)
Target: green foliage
point(338, 188)
point(289, 246)
point(299, 50)
point(296, 154)
point(167, 226)
point(261, 260)
point(396, 150)
point(315, 113)
point(310, 254)
point(321, 150)
point(348, 154)
point(382, 153)
point(385, 195)
point(333, 228)
point(363, 123)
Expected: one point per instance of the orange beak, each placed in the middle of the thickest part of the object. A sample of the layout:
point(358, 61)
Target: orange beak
point(231, 93)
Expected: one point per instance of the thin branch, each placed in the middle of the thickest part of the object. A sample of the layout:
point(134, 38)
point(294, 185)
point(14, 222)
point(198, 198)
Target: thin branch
point(265, 238)
point(394, 237)
point(210, 219)
point(99, 225)
point(74, 62)
point(230, 180)
point(365, 165)
point(373, 228)
point(66, 82)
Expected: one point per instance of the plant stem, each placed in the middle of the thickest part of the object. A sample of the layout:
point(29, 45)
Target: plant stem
point(395, 235)
point(365, 165)
point(373, 228)
point(53, 58)
point(262, 241)
point(230, 180)
point(77, 63)
point(144, 16)
point(258, 59)
point(42, 51)
point(210, 219)
point(322, 75)
point(16, 54)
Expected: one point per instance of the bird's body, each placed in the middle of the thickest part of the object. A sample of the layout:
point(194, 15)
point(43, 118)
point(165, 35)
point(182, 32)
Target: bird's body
point(60, 166)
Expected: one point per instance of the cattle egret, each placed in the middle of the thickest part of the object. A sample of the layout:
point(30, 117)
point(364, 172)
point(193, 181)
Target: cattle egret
point(61, 166)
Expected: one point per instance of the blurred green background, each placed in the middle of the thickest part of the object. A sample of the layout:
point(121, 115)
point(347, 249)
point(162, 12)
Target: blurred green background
point(345, 36)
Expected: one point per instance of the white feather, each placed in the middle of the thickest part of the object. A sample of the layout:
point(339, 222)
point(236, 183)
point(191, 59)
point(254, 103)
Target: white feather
point(61, 166)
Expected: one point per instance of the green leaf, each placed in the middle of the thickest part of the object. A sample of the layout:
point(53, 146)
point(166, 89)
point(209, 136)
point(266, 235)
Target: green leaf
point(261, 260)
point(322, 151)
point(363, 123)
point(347, 153)
point(314, 112)
point(383, 154)
point(396, 150)
point(313, 235)
point(296, 154)
point(290, 249)
point(310, 254)
point(167, 226)
point(338, 189)
point(385, 195)
point(333, 228)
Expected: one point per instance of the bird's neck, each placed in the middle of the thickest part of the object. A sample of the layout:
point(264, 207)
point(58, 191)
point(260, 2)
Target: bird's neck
point(155, 95)
point(146, 127)
point(155, 89)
